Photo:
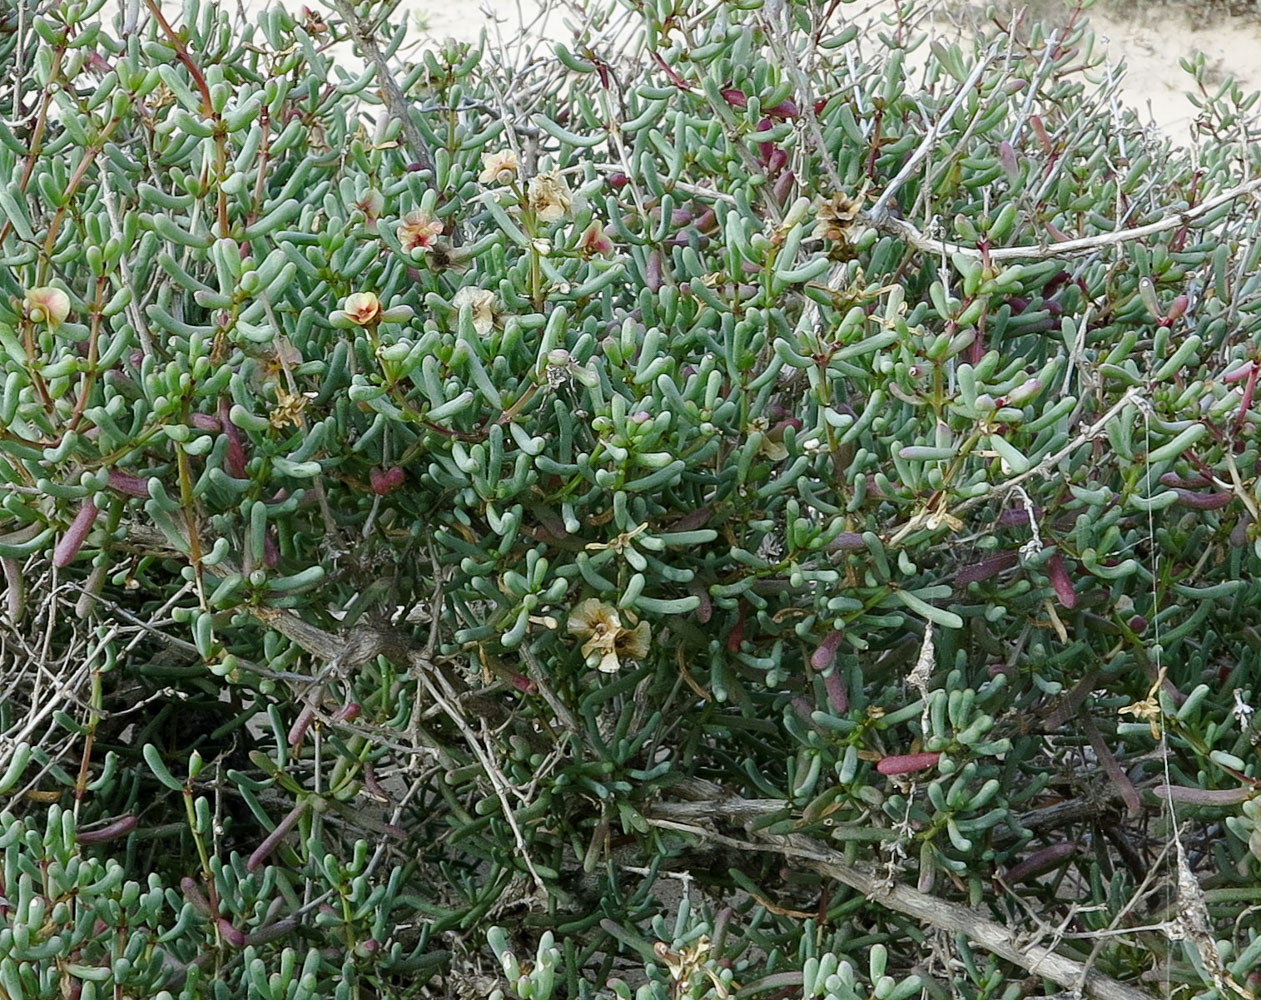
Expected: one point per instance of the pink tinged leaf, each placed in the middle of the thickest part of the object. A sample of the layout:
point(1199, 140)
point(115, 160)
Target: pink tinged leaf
point(230, 934)
point(705, 609)
point(1249, 392)
point(986, 568)
point(677, 80)
point(112, 831)
point(1007, 157)
point(1057, 234)
point(132, 486)
point(193, 894)
point(1040, 131)
point(1240, 373)
point(234, 461)
point(1116, 775)
point(1204, 796)
point(1239, 533)
point(271, 550)
point(847, 541)
point(785, 109)
point(273, 839)
point(618, 180)
point(1061, 581)
point(205, 422)
point(1040, 862)
point(838, 693)
point(783, 186)
point(386, 480)
point(735, 98)
point(15, 588)
point(825, 655)
point(694, 519)
point(521, 682)
point(349, 712)
point(272, 931)
point(1017, 517)
point(1177, 482)
point(372, 785)
point(75, 535)
point(1177, 307)
point(652, 272)
point(765, 149)
point(907, 763)
point(1203, 501)
point(298, 731)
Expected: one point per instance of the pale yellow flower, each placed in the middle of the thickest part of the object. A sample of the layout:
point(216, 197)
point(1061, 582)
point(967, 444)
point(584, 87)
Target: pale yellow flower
point(549, 196)
point(1148, 710)
point(418, 229)
point(498, 168)
point(47, 305)
point(601, 626)
point(483, 304)
point(362, 308)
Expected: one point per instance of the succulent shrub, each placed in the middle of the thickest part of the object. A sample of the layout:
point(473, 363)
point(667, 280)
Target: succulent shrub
point(807, 470)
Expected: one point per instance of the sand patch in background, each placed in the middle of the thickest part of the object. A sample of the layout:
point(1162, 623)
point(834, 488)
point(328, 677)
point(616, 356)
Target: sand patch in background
point(1150, 40)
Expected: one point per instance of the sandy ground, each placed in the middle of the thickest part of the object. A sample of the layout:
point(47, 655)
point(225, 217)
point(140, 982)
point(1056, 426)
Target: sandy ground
point(1150, 46)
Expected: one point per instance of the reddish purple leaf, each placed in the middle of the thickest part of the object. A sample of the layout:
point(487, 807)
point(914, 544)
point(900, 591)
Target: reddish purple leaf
point(824, 656)
point(1040, 862)
point(125, 482)
point(76, 535)
point(907, 763)
point(1061, 581)
point(119, 828)
point(386, 480)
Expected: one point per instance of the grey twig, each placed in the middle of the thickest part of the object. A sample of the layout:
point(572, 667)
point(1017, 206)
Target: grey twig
point(395, 101)
point(946, 916)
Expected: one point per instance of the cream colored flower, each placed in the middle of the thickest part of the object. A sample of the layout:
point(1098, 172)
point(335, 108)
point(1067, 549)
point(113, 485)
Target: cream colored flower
point(549, 196)
point(362, 308)
point(837, 218)
point(601, 626)
point(418, 229)
point(483, 304)
point(47, 305)
point(498, 168)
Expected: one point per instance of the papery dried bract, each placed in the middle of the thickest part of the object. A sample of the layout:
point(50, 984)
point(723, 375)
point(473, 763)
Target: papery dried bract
point(484, 306)
point(549, 196)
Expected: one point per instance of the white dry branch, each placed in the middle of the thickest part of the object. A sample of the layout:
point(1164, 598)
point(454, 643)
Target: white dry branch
point(930, 910)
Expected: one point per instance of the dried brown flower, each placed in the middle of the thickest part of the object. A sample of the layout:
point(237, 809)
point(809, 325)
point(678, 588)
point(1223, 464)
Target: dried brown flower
point(601, 626)
point(483, 303)
point(549, 196)
point(837, 218)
